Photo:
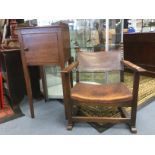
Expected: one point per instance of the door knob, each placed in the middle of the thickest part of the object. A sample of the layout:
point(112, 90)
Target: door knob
point(26, 49)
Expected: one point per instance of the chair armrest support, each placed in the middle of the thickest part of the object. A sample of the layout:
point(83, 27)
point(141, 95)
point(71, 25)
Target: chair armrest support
point(67, 80)
point(135, 90)
point(69, 68)
point(133, 66)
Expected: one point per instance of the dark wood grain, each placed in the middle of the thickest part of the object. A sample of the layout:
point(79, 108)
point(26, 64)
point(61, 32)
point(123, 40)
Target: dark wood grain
point(139, 49)
point(12, 67)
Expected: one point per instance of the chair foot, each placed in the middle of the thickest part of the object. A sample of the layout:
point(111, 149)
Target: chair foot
point(69, 126)
point(32, 115)
point(133, 129)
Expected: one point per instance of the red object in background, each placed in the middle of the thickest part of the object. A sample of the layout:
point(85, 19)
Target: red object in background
point(1, 90)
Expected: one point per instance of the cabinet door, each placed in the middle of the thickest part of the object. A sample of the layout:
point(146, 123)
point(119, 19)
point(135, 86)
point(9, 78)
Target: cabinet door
point(41, 48)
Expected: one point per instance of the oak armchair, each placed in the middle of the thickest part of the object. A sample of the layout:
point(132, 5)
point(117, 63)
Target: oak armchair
point(112, 94)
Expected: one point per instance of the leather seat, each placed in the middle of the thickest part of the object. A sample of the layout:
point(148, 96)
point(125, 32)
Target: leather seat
point(109, 93)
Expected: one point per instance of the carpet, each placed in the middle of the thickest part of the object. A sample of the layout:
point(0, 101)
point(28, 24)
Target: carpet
point(146, 95)
point(8, 112)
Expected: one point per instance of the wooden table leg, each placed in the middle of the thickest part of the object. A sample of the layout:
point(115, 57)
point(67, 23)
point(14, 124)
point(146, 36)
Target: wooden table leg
point(44, 82)
point(28, 89)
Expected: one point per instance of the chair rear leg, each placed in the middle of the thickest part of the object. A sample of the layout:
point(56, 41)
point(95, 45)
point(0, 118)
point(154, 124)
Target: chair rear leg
point(133, 119)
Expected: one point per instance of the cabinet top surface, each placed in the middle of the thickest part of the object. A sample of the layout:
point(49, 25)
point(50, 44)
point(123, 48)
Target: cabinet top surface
point(139, 33)
point(58, 25)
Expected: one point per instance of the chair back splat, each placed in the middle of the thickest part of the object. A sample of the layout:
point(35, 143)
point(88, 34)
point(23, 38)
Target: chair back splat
point(99, 61)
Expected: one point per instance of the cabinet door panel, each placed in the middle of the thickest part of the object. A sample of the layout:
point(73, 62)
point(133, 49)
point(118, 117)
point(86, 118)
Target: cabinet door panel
point(41, 48)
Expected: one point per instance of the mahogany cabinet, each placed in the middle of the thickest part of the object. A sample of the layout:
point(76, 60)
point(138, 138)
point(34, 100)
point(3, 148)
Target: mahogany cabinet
point(41, 46)
point(139, 48)
point(14, 84)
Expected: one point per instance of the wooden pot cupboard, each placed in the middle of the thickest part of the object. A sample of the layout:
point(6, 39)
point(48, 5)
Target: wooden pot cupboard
point(41, 46)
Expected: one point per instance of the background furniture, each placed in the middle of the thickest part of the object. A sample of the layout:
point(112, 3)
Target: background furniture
point(13, 82)
point(14, 85)
point(148, 25)
point(43, 46)
point(113, 94)
point(139, 48)
point(1, 90)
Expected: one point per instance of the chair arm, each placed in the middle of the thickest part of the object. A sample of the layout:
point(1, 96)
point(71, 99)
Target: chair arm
point(69, 68)
point(133, 66)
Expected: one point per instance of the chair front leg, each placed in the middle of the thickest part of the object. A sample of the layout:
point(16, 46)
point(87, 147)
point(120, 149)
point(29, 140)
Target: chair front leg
point(66, 91)
point(133, 119)
point(70, 111)
point(135, 100)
